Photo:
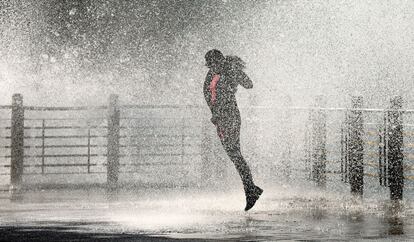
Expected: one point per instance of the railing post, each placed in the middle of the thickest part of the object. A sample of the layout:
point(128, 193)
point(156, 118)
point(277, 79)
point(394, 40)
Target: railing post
point(382, 152)
point(318, 142)
point(344, 149)
point(17, 142)
point(395, 149)
point(356, 147)
point(308, 145)
point(113, 142)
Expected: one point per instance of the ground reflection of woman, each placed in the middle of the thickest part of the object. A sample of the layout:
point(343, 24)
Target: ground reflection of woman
point(220, 86)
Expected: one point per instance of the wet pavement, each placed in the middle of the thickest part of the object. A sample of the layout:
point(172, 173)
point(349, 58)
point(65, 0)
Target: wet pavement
point(170, 214)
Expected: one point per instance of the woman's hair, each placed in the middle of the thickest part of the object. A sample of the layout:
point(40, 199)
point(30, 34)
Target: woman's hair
point(235, 62)
point(214, 56)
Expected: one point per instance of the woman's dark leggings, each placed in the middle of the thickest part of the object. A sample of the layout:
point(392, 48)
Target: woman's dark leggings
point(229, 134)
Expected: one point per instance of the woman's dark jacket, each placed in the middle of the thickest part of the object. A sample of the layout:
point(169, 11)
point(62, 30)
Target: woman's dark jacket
point(225, 106)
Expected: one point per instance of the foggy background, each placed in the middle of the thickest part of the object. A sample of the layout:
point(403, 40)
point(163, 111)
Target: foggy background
point(78, 52)
point(68, 52)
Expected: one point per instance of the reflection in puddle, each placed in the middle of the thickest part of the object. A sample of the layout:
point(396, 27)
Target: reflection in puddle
point(393, 217)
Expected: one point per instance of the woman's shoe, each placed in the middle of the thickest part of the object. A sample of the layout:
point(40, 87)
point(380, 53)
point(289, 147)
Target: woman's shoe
point(252, 197)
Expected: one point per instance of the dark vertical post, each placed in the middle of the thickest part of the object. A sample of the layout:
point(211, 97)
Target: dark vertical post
point(381, 159)
point(395, 149)
point(356, 147)
point(385, 150)
point(17, 142)
point(308, 147)
point(308, 144)
point(319, 142)
point(344, 149)
point(113, 142)
point(382, 154)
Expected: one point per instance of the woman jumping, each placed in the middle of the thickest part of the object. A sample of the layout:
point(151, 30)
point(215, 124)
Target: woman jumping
point(220, 86)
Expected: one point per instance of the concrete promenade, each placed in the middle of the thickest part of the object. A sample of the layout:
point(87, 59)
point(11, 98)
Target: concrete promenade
point(285, 213)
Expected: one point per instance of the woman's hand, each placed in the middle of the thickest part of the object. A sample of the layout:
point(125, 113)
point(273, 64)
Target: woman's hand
point(244, 80)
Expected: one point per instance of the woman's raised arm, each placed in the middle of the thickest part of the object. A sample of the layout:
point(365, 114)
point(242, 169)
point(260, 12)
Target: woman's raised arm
point(244, 80)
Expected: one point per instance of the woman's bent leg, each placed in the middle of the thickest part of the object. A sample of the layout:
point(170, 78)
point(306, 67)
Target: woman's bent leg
point(242, 167)
point(230, 140)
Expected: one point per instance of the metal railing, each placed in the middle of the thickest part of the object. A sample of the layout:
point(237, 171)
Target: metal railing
point(360, 143)
point(114, 138)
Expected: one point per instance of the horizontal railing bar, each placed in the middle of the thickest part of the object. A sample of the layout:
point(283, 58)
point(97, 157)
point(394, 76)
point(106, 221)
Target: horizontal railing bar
point(70, 146)
point(336, 109)
point(369, 142)
point(103, 146)
point(152, 163)
point(371, 164)
point(371, 153)
point(371, 174)
point(159, 145)
point(67, 119)
point(56, 146)
point(159, 126)
point(174, 134)
point(105, 127)
point(104, 155)
point(101, 165)
point(73, 108)
point(66, 165)
point(101, 136)
point(159, 154)
point(63, 173)
point(405, 124)
point(146, 118)
point(57, 165)
point(155, 136)
point(56, 156)
point(64, 127)
point(60, 136)
point(148, 106)
point(104, 172)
